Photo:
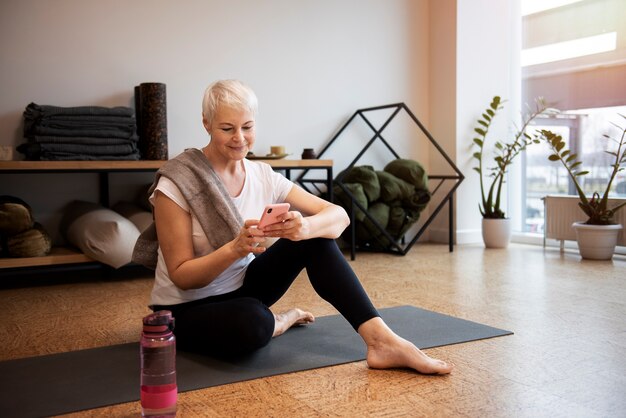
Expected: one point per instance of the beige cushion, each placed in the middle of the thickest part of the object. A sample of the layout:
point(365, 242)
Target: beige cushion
point(134, 213)
point(100, 233)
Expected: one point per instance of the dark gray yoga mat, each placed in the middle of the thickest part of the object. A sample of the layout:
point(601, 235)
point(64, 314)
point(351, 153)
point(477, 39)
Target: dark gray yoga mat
point(86, 379)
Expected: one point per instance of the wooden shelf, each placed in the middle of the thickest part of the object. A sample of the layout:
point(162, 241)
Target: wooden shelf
point(58, 255)
point(34, 166)
point(295, 164)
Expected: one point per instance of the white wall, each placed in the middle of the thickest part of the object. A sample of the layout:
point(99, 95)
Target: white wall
point(312, 64)
point(488, 46)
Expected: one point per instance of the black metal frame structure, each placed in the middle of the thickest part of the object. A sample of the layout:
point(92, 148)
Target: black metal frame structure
point(313, 183)
point(398, 244)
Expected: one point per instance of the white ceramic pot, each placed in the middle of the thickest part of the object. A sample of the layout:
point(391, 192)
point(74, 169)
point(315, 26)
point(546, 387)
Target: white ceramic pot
point(496, 232)
point(596, 242)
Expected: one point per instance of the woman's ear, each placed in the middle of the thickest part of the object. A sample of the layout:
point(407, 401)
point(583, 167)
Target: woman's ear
point(205, 122)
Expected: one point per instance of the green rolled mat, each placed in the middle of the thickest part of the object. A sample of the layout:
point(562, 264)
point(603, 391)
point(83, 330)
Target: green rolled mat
point(345, 201)
point(410, 171)
point(393, 188)
point(366, 176)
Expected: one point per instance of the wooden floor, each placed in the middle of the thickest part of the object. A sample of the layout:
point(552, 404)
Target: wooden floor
point(567, 357)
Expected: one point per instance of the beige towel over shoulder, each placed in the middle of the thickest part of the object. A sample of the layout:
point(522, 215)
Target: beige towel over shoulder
point(208, 199)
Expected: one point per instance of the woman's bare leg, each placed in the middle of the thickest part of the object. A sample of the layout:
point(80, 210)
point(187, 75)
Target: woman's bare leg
point(386, 349)
point(287, 319)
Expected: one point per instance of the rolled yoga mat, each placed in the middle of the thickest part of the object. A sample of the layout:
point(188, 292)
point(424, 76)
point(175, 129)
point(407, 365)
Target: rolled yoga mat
point(86, 379)
point(151, 109)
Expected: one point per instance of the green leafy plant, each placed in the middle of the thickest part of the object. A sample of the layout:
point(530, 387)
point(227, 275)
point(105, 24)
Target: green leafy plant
point(596, 207)
point(505, 153)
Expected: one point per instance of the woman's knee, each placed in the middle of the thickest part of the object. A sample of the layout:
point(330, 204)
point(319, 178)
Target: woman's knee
point(315, 246)
point(235, 327)
point(253, 326)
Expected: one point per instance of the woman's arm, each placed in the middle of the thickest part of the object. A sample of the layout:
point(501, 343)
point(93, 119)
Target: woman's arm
point(185, 270)
point(313, 218)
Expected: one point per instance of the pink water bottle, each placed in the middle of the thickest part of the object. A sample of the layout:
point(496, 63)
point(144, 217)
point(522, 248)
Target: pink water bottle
point(158, 366)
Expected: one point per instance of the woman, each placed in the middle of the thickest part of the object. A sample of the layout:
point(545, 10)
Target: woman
point(214, 271)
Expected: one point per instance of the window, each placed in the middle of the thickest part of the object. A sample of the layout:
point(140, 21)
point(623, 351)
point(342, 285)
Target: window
point(583, 131)
point(589, 89)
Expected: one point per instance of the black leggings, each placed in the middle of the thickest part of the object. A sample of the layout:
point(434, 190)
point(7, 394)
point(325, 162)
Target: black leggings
point(240, 321)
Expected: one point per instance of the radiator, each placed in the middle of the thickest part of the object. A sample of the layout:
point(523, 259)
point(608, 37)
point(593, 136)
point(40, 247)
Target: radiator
point(562, 211)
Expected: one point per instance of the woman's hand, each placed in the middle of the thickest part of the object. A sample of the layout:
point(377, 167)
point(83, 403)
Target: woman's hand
point(321, 218)
point(249, 240)
point(313, 217)
point(293, 226)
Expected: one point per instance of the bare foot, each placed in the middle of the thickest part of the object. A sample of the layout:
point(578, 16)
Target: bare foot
point(287, 319)
point(386, 350)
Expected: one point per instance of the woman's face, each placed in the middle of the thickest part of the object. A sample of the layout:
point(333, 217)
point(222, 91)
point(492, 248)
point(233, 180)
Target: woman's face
point(232, 132)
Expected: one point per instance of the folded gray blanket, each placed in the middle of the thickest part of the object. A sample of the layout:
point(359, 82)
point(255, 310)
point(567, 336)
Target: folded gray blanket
point(38, 131)
point(63, 156)
point(87, 140)
point(34, 110)
point(79, 133)
point(78, 127)
point(34, 149)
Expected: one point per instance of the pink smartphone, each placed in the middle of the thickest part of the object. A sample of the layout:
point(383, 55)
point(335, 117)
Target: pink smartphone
point(271, 213)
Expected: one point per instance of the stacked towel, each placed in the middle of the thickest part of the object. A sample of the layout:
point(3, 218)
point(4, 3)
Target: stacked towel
point(79, 133)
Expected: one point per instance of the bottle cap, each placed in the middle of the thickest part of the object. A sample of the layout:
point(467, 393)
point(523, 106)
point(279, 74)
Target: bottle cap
point(159, 321)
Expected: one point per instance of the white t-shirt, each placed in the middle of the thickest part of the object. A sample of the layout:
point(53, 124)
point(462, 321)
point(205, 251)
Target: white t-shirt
point(261, 187)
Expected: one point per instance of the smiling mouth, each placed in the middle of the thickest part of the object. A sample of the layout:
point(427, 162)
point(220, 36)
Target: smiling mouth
point(240, 149)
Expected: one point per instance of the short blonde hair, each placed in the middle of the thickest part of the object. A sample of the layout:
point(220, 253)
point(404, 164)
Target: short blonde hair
point(231, 93)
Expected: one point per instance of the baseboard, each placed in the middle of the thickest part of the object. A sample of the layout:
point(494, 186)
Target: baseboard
point(468, 236)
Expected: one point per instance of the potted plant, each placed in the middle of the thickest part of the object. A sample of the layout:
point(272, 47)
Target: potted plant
point(496, 227)
point(597, 236)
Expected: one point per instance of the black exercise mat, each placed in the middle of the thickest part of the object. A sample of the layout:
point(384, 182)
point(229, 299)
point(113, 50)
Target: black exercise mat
point(86, 379)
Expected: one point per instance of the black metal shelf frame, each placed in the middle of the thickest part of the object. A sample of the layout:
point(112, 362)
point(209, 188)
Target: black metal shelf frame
point(398, 244)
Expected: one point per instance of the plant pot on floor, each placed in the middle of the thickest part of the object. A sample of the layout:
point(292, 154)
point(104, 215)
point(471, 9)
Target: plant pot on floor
point(496, 232)
point(596, 242)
